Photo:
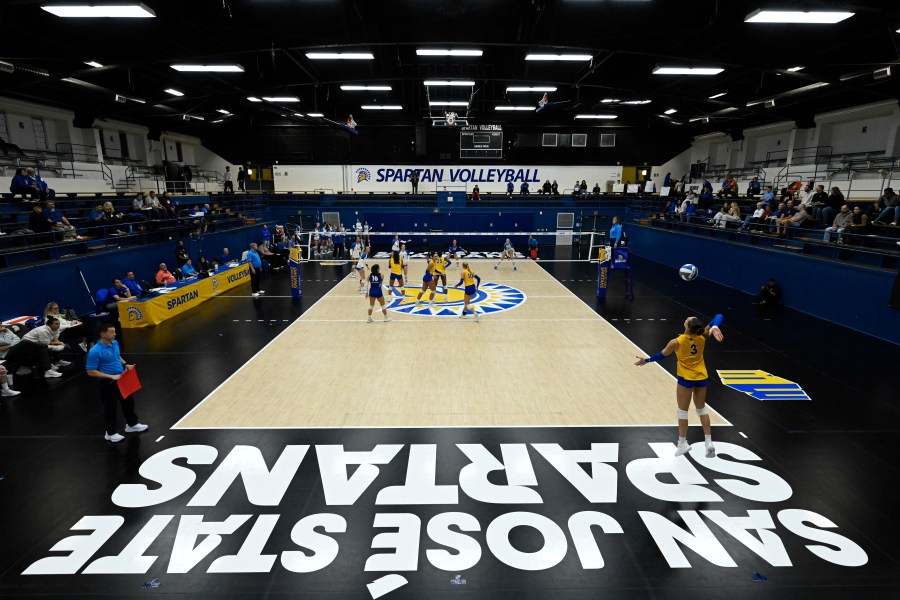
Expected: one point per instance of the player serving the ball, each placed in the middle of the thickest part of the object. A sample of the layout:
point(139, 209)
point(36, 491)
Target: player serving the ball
point(508, 253)
point(692, 377)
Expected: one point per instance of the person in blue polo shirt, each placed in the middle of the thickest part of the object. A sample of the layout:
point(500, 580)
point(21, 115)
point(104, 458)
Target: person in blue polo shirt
point(187, 269)
point(132, 284)
point(106, 365)
point(255, 268)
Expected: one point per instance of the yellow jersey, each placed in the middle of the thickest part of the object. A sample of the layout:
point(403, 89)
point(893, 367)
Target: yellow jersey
point(431, 267)
point(396, 268)
point(690, 357)
point(440, 265)
point(468, 277)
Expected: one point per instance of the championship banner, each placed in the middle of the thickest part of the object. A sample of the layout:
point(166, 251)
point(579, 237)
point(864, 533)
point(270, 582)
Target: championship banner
point(294, 268)
point(153, 311)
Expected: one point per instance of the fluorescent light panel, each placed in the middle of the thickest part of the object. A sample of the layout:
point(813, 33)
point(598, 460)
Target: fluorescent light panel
point(314, 115)
point(173, 91)
point(134, 10)
point(382, 107)
point(537, 88)
point(596, 116)
point(217, 121)
point(687, 70)
point(819, 17)
point(209, 68)
point(719, 95)
point(281, 99)
point(340, 56)
point(566, 57)
point(795, 69)
point(223, 111)
point(437, 52)
point(671, 111)
point(447, 103)
point(507, 107)
point(456, 83)
point(637, 102)
point(371, 88)
point(93, 63)
point(253, 99)
point(800, 90)
point(610, 100)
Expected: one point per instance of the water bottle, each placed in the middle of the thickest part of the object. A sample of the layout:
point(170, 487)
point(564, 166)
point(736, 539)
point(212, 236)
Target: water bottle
point(129, 228)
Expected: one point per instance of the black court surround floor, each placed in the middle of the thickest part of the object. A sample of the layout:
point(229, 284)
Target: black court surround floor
point(801, 504)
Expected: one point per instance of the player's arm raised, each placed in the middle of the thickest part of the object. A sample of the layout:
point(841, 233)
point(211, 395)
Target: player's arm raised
point(671, 347)
point(713, 328)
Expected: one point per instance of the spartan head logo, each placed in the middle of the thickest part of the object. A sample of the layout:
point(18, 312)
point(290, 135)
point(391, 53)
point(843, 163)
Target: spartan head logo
point(134, 314)
point(363, 174)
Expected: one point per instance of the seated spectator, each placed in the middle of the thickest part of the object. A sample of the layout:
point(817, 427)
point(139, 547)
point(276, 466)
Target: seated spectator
point(34, 350)
point(668, 211)
point(5, 381)
point(728, 214)
point(554, 188)
point(226, 257)
point(816, 202)
point(596, 190)
point(788, 192)
point(203, 264)
point(156, 208)
point(776, 214)
point(117, 219)
point(163, 276)
point(59, 223)
point(796, 220)
point(69, 325)
point(860, 224)
point(689, 208)
point(139, 211)
point(576, 189)
point(8, 339)
point(37, 221)
point(753, 188)
point(758, 216)
point(547, 188)
point(582, 188)
point(668, 181)
point(523, 189)
point(510, 188)
point(97, 216)
point(834, 202)
point(767, 298)
point(476, 193)
point(169, 206)
point(891, 203)
point(706, 196)
point(20, 184)
point(729, 188)
point(266, 254)
point(187, 269)
point(133, 285)
point(46, 193)
point(842, 221)
point(769, 195)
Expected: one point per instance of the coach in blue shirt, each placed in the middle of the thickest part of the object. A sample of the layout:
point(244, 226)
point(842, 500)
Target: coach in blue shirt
point(255, 267)
point(105, 363)
point(133, 286)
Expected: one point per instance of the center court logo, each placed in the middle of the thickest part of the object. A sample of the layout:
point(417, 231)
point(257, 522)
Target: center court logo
point(489, 299)
point(363, 174)
point(135, 314)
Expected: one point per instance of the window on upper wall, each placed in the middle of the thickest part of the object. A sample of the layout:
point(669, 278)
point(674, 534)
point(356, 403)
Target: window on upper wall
point(40, 136)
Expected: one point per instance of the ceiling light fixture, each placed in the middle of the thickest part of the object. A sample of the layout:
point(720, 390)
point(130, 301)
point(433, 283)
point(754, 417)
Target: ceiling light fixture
point(447, 103)
point(818, 17)
point(133, 10)
point(508, 107)
point(457, 83)
point(93, 63)
point(794, 69)
point(800, 90)
point(436, 52)
point(699, 120)
point(281, 98)
point(121, 98)
point(687, 70)
point(208, 68)
point(217, 121)
point(340, 56)
point(371, 88)
point(537, 88)
point(382, 107)
point(253, 99)
point(223, 111)
point(173, 91)
point(596, 116)
point(186, 116)
point(314, 115)
point(719, 95)
point(637, 102)
point(566, 57)
point(671, 111)
point(609, 100)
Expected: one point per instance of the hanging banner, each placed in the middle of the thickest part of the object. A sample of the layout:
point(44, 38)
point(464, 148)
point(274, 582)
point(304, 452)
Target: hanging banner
point(294, 269)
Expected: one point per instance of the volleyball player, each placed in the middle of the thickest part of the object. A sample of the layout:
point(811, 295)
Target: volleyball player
point(455, 251)
point(428, 282)
point(361, 269)
point(355, 253)
point(317, 239)
point(404, 258)
point(508, 253)
point(692, 376)
point(440, 272)
point(472, 282)
point(396, 272)
point(375, 291)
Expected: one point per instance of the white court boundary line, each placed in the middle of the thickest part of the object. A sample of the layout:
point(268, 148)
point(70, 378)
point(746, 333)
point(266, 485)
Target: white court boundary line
point(595, 315)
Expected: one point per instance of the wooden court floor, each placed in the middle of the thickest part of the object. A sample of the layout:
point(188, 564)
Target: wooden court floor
point(545, 360)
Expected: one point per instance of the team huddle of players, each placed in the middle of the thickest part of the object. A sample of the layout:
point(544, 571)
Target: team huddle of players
point(435, 270)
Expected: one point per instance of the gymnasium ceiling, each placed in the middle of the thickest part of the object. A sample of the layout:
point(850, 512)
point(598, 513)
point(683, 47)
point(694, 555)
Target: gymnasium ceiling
point(625, 39)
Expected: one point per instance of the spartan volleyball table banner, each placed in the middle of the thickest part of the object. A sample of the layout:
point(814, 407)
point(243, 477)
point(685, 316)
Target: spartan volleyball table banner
point(154, 310)
point(296, 277)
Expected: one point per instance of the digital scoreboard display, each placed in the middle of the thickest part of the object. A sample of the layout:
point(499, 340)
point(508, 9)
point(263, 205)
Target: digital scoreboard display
point(481, 141)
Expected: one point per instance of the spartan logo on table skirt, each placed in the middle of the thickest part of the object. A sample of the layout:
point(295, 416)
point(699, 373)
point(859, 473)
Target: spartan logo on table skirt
point(490, 298)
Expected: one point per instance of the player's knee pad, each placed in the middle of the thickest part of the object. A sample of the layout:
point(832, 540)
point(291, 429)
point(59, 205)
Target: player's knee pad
point(682, 414)
point(701, 412)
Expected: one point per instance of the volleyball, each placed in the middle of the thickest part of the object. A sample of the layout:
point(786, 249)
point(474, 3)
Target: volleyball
point(688, 272)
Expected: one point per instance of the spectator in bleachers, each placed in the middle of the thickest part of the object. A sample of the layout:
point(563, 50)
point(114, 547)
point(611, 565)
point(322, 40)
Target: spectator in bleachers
point(164, 277)
point(753, 187)
point(117, 219)
point(228, 185)
point(704, 202)
point(523, 189)
point(596, 190)
point(554, 188)
point(728, 214)
point(834, 202)
point(181, 254)
point(476, 193)
point(860, 224)
point(788, 192)
point(583, 188)
point(816, 202)
point(45, 191)
point(842, 221)
point(156, 209)
point(97, 216)
point(21, 185)
point(689, 208)
point(59, 223)
point(139, 210)
point(668, 211)
point(38, 221)
point(667, 180)
point(133, 285)
point(729, 188)
point(769, 196)
point(187, 269)
point(754, 217)
point(8, 339)
point(547, 188)
point(168, 205)
point(242, 176)
point(796, 220)
point(510, 188)
point(776, 214)
point(891, 203)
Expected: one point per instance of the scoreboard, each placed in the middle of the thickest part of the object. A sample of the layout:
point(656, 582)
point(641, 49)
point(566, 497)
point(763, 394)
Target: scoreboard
point(481, 141)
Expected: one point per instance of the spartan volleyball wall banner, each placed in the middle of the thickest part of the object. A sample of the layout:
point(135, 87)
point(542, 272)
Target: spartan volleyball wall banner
point(364, 178)
point(372, 517)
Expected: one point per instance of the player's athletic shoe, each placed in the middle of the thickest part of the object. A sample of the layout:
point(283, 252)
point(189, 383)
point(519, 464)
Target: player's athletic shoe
point(463, 316)
point(710, 450)
point(514, 269)
point(683, 448)
point(495, 267)
point(116, 437)
point(369, 319)
point(477, 316)
point(136, 428)
point(388, 319)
